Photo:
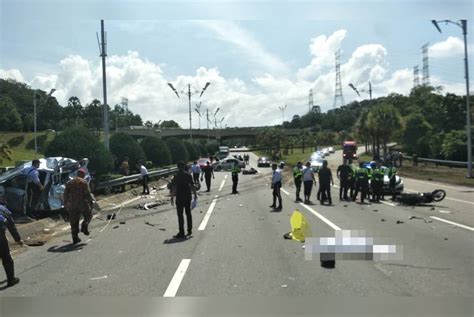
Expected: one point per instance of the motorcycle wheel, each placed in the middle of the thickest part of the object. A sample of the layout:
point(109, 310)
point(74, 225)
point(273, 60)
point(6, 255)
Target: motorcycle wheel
point(438, 195)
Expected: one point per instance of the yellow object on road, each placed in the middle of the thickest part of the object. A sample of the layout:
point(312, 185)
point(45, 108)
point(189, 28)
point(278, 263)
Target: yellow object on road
point(299, 226)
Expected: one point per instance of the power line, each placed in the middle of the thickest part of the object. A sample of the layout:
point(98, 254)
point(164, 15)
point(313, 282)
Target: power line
point(416, 77)
point(338, 90)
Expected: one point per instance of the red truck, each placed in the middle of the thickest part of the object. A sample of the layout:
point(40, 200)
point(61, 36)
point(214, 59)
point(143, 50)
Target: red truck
point(349, 150)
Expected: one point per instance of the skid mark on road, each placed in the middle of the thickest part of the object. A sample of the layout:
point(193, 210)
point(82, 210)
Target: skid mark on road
point(177, 278)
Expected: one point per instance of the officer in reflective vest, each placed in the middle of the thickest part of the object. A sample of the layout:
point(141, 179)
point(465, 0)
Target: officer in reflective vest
point(392, 173)
point(377, 182)
point(362, 182)
point(235, 170)
point(298, 177)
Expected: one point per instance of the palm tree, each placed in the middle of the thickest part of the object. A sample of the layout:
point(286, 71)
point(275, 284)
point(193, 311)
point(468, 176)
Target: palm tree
point(385, 120)
point(361, 128)
point(304, 137)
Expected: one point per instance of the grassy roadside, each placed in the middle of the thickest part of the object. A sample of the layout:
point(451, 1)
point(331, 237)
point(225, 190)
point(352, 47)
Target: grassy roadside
point(430, 172)
point(22, 145)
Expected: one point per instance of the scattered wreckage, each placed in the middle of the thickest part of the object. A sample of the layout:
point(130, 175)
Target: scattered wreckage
point(415, 199)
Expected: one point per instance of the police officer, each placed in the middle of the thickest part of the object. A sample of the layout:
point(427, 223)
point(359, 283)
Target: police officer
point(34, 186)
point(276, 186)
point(377, 182)
point(325, 181)
point(361, 182)
point(196, 170)
point(6, 222)
point(392, 172)
point(344, 174)
point(78, 200)
point(298, 178)
point(207, 172)
point(370, 177)
point(235, 170)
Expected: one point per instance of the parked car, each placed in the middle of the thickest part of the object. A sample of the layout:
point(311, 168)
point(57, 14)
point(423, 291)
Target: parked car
point(203, 162)
point(331, 149)
point(227, 163)
point(325, 151)
point(54, 173)
point(264, 162)
point(316, 164)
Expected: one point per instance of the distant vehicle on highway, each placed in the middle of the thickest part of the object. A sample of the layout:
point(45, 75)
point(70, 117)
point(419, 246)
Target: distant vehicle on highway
point(203, 162)
point(317, 154)
point(227, 163)
point(349, 150)
point(223, 152)
point(54, 173)
point(316, 163)
point(325, 151)
point(331, 149)
point(264, 162)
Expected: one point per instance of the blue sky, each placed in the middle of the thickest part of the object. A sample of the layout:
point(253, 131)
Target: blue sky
point(256, 54)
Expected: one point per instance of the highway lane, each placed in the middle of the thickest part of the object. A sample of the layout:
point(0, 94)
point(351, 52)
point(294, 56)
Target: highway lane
point(241, 251)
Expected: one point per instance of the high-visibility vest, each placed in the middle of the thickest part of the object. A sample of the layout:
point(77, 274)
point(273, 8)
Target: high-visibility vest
point(378, 174)
point(362, 173)
point(297, 173)
point(235, 170)
point(392, 171)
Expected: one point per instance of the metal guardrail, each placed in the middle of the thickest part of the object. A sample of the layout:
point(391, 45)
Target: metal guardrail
point(438, 162)
point(135, 177)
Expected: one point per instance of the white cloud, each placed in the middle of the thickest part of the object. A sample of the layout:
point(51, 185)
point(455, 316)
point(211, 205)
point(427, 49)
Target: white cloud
point(244, 41)
point(450, 47)
point(253, 103)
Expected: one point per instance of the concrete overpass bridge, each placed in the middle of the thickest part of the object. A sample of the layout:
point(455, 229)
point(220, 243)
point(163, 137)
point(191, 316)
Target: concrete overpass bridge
point(212, 134)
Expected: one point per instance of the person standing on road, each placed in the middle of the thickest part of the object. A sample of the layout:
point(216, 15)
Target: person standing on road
point(6, 222)
point(298, 178)
point(34, 186)
point(325, 182)
point(276, 186)
point(362, 182)
point(392, 173)
point(144, 178)
point(78, 200)
point(207, 172)
point(308, 181)
point(344, 174)
point(377, 183)
point(196, 170)
point(125, 170)
point(182, 186)
point(235, 170)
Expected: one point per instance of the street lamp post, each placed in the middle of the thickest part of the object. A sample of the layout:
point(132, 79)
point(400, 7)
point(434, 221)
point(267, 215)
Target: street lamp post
point(198, 110)
point(363, 90)
point(34, 115)
point(189, 93)
point(463, 25)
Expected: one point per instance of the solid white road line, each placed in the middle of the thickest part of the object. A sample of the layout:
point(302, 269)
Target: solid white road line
point(324, 219)
point(452, 223)
point(448, 198)
point(177, 278)
point(225, 176)
point(285, 191)
point(204, 221)
point(387, 203)
point(222, 185)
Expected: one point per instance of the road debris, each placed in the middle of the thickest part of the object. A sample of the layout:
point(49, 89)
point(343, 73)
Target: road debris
point(375, 210)
point(432, 208)
point(34, 243)
point(399, 222)
point(99, 278)
point(428, 221)
point(284, 286)
point(111, 217)
point(241, 205)
point(149, 205)
point(46, 230)
point(382, 220)
point(414, 217)
point(445, 212)
point(445, 238)
point(115, 227)
point(122, 222)
point(150, 224)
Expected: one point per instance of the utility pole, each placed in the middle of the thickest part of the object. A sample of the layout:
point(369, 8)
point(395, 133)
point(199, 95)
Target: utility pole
point(338, 90)
point(310, 103)
point(426, 70)
point(190, 120)
point(463, 25)
point(198, 110)
point(103, 54)
point(207, 115)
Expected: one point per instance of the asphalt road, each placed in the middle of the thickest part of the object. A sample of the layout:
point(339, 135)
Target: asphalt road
point(238, 249)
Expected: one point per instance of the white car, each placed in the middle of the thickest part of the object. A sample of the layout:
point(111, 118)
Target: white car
point(316, 164)
point(325, 151)
point(227, 163)
point(331, 149)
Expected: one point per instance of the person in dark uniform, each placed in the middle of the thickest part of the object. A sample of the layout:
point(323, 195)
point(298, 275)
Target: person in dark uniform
point(207, 172)
point(276, 186)
point(34, 186)
point(78, 201)
point(235, 170)
point(182, 186)
point(377, 183)
point(308, 181)
point(344, 174)
point(298, 178)
point(325, 181)
point(362, 182)
point(6, 222)
point(392, 173)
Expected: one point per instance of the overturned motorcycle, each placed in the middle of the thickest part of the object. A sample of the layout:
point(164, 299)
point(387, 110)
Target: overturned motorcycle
point(421, 198)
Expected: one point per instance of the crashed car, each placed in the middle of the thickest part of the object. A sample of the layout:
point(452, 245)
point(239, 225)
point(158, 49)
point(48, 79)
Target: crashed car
point(227, 163)
point(54, 173)
point(399, 186)
point(263, 162)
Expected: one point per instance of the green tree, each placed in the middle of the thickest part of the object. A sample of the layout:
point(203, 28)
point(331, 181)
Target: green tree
point(79, 143)
point(122, 145)
point(454, 146)
point(178, 150)
point(416, 136)
point(93, 115)
point(169, 124)
point(192, 151)
point(10, 119)
point(304, 137)
point(383, 121)
point(156, 151)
